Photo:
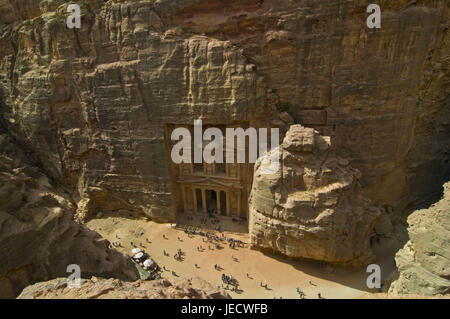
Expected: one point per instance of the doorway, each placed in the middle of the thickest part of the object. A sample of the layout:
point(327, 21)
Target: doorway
point(211, 201)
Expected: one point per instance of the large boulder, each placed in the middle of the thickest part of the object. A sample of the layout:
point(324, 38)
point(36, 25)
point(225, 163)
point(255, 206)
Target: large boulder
point(310, 206)
point(424, 262)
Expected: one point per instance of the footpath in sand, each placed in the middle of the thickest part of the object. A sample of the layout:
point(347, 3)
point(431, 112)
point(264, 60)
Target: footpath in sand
point(281, 275)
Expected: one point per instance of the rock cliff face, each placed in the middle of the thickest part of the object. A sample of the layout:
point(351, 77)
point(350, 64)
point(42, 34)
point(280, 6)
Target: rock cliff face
point(96, 99)
point(311, 207)
point(38, 237)
point(91, 104)
point(424, 262)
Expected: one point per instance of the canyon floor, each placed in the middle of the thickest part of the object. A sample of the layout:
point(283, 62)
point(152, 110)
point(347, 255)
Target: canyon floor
point(281, 274)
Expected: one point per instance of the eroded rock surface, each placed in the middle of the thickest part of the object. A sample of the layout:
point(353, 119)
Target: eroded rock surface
point(38, 236)
point(424, 262)
point(98, 288)
point(311, 207)
point(91, 104)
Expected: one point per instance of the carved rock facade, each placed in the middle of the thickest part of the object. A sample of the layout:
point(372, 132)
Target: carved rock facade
point(91, 104)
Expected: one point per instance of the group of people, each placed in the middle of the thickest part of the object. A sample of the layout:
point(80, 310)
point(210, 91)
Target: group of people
point(229, 280)
point(210, 237)
point(302, 294)
point(139, 256)
point(232, 243)
point(193, 231)
point(179, 255)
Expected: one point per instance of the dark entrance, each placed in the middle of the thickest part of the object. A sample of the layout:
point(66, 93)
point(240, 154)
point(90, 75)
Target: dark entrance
point(211, 201)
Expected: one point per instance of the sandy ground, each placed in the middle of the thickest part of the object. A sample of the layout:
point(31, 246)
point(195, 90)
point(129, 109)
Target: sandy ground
point(282, 275)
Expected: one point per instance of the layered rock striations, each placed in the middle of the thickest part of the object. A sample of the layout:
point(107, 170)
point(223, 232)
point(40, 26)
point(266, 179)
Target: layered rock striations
point(424, 262)
point(311, 206)
point(38, 236)
point(97, 99)
point(383, 94)
point(91, 103)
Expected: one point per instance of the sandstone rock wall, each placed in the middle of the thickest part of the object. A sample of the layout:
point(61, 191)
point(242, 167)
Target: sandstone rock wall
point(96, 100)
point(311, 207)
point(91, 103)
point(38, 237)
point(383, 95)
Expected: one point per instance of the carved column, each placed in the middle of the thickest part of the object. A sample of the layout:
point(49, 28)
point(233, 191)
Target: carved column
point(219, 211)
point(183, 192)
point(194, 196)
point(204, 201)
point(228, 203)
point(239, 205)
